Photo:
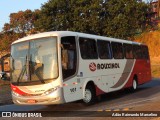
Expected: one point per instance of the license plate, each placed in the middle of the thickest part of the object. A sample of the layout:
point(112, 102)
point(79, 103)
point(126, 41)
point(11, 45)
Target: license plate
point(31, 101)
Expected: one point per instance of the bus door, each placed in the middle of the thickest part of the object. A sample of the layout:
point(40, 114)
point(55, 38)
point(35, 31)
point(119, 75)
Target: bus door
point(69, 68)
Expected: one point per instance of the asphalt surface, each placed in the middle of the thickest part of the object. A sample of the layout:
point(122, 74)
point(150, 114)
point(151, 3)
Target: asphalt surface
point(147, 96)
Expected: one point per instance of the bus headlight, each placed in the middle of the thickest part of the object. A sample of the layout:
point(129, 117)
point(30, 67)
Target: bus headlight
point(16, 94)
point(50, 90)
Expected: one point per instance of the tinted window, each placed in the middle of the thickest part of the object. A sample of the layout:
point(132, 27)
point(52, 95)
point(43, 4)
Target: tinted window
point(117, 50)
point(104, 49)
point(145, 54)
point(137, 51)
point(88, 48)
point(128, 51)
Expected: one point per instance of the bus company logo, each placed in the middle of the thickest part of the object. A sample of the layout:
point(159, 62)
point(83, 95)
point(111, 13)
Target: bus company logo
point(92, 66)
point(100, 66)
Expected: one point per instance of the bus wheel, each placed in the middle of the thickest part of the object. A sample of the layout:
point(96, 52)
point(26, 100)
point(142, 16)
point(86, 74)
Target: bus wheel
point(89, 95)
point(134, 85)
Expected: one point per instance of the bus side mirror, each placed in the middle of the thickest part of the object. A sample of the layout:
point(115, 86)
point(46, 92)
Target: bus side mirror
point(5, 76)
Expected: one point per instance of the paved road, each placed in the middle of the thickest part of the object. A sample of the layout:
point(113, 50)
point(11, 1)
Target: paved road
point(117, 101)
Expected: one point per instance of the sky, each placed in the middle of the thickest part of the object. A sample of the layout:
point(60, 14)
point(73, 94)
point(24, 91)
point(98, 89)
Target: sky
point(13, 6)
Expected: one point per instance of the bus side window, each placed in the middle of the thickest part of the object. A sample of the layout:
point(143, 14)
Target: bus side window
point(145, 54)
point(137, 51)
point(68, 56)
point(128, 51)
point(88, 48)
point(104, 49)
point(117, 49)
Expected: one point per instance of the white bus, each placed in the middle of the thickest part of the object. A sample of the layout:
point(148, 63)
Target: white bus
point(63, 66)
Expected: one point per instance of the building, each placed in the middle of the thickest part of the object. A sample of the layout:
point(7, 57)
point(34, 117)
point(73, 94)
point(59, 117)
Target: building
point(155, 7)
point(5, 63)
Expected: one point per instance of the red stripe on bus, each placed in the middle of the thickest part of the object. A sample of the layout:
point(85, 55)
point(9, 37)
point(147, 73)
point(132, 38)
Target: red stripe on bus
point(99, 91)
point(17, 90)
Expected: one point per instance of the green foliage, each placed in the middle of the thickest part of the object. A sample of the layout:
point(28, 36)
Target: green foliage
point(114, 18)
point(124, 17)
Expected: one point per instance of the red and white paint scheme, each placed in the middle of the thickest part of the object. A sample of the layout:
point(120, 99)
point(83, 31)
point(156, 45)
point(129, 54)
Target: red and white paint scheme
point(63, 66)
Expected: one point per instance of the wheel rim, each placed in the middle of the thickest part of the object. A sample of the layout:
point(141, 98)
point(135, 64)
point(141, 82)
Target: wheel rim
point(134, 84)
point(87, 96)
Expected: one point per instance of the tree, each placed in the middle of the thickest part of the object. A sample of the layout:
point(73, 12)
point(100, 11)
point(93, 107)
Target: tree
point(6, 38)
point(81, 15)
point(54, 15)
point(124, 17)
point(21, 24)
point(22, 21)
point(115, 18)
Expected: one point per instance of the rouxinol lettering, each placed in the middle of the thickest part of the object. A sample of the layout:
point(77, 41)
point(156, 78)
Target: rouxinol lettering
point(107, 66)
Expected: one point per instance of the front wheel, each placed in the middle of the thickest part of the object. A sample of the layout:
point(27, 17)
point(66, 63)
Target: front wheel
point(89, 95)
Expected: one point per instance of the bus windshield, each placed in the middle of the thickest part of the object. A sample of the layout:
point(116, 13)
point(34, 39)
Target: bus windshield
point(34, 61)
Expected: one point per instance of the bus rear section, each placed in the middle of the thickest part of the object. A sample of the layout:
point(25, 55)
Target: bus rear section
point(141, 72)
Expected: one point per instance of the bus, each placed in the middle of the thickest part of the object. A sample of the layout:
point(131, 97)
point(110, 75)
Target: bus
point(64, 66)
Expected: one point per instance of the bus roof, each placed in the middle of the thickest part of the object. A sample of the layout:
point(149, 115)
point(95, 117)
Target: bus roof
point(70, 33)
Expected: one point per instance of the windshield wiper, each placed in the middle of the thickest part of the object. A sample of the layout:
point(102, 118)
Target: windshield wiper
point(32, 66)
point(22, 71)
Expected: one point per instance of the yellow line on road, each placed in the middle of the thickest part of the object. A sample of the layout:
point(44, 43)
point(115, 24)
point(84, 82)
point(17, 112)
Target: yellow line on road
point(125, 109)
point(99, 110)
point(116, 110)
point(108, 110)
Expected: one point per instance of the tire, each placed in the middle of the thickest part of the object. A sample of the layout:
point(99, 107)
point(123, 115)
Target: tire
point(134, 85)
point(89, 95)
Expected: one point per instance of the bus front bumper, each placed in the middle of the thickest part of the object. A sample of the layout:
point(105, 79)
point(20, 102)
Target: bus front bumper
point(55, 97)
